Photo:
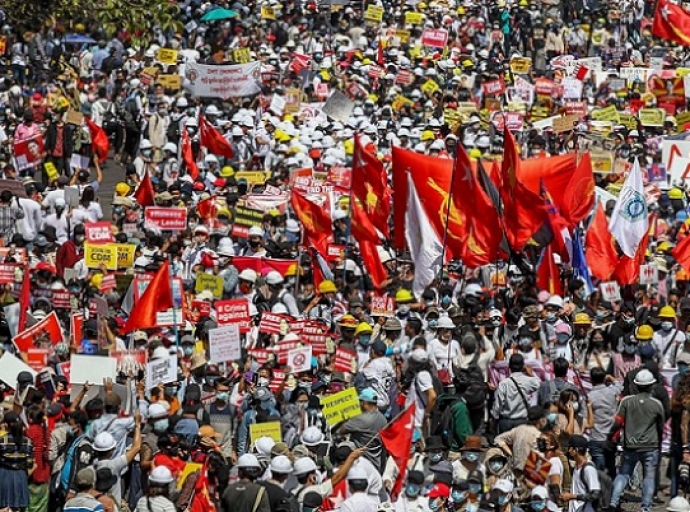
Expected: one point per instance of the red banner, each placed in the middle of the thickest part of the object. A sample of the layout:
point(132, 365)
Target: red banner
point(99, 233)
point(48, 328)
point(61, 299)
point(37, 358)
point(260, 355)
point(494, 87)
point(283, 348)
point(314, 334)
point(235, 311)
point(7, 273)
point(436, 38)
point(272, 323)
point(165, 219)
point(344, 360)
point(28, 153)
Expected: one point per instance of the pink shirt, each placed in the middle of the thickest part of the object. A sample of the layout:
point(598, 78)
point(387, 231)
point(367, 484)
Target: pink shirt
point(25, 132)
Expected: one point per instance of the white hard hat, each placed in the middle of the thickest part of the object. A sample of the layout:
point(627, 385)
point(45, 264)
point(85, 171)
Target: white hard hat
point(160, 353)
point(555, 301)
point(256, 231)
point(644, 378)
point(104, 442)
point(312, 436)
point(304, 465)
point(445, 322)
point(357, 472)
point(212, 110)
point(211, 159)
point(419, 355)
point(145, 144)
point(473, 289)
point(274, 277)
point(279, 309)
point(182, 102)
point(191, 121)
point(237, 132)
point(225, 247)
point(248, 461)
point(248, 275)
point(161, 475)
point(678, 504)
point(281, 465)
point(169, 146)
point(264, 445)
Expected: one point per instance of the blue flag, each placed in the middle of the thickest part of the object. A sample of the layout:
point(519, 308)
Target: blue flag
point(580, 269)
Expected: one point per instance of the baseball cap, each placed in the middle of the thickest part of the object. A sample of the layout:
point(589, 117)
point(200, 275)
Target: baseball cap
point(86, 477)
point(439, 490)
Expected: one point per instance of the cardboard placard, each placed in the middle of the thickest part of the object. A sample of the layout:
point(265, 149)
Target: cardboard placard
point(172, 82)
point(161, 371)
point(269, 429)
point(649, 274)
point(97, 255)
point(565, 123)
point(74, 117)
point(341, 406)
point(167, 56)
point(382, 306)
point(209, 282)
point(299, 359)
point(610, 291)
point(92, 369)
point(224, 343)
point(10, 367)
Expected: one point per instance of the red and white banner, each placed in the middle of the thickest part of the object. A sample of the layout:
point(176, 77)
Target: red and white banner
point(299, 359)
point(37, 358)
point(382, 306)
point(494, 87)
point(235, 311)
point(272, 323)
point(223, 81)
point(165, 219)
point(61, 299)
point(435, 37)
point(314, 333)
point(98, 232)
point(404, 77)
point(46, 329)
point(259, 354)
point(28, 153)
point(283, 348)
point(7, 271)
point(344, 361)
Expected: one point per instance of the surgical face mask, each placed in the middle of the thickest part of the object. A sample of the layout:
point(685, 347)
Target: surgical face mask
point(552, 417)
point(432, 323)
point(263, 382)
point(538, 505)
point(446, 301)
point(471, 456)
point(475, 488)
point(170, 390)
point(434, 505)
point(161, 425)
point(575, 406)
point(458, 496)
point(666, 326)
point(550, 316)
point(79, 239)
point(525, 343)
point(435, 457)
point(412, 490)
point(403, 310)
point(364, 339)
point(188, 351)
point(630, 348)
point(223, 396)
point(629, 320)
point(562, 339)
point(496, 465)
point(302, 405)
point(146, 152)
point(495, 321)
point(503, 500)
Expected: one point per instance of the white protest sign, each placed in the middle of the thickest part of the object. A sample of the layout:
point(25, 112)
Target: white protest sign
point(572, 88)
point(161, 371)
point(224, 343)
point(675, 155)
point(277, 105)
point(209, 81)
point(649, 274)
point(92, 369)
point(299, 359)
point(339, 107)
point(10, 367)
point(610, 291)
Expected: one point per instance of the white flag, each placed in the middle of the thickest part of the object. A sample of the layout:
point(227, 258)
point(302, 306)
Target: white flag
point(425, 246)
point(629, 221)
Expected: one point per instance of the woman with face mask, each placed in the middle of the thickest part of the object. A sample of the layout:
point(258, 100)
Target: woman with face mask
point(597, 354)
point(295, 416)
point(438, 497)
point(411, 499)
point(548, 446)
point(628, 360)
point(539, 499)
point(571, 420)
point(562, 346)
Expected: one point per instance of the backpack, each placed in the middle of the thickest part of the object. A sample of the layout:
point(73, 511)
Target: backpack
point(472, 380)
point(80, 455)
point(554, 394)
point(442, 420)
point(605, 484)
point(130, 114)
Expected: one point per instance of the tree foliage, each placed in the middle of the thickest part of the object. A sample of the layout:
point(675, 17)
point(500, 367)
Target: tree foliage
point(109, 17)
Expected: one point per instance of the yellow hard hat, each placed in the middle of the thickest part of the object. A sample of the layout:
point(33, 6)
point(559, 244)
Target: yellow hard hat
point(421, 5)
point(403, 295)
point(363, 328)
point(349, 146)
point(97, 280)
point(467, 63)
point(644, 332)
point(79, 28)
point(366, 62)
point(664, 246)
point(327, 286)
point(288, 118)
point(227, 172)
point(274, 212)
point(667, 312)
point(461, 10)
point(122, 189)
point(348, 322)
point(582, 319)
point(675, 193)
point(475, 154)
point(223, 212)
point(523, 3)
point(427, 135)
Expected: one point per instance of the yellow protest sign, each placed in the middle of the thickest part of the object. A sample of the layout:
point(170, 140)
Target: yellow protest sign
point(400, 101)
point(539, 112)
point(270, 429)
point(467, 106)
point(242, 55)
point(403, 35)
point(268, 13)
point(628, 121)
point(521, 65)
point(125, 255)
point(189, 468)
point(209, 282)
point(341, 406)
point(682, 119)
point(414, 18)
point(451, 117)
point(430, 87)
point(415, 52)
point(51, 171)
point(97, 255)
point(167, 56)
point(652, 116)
point(374, 14)
point(253, 177)
point(681, 72)
point(172, 82)
point(606, 114)
point(602, 161)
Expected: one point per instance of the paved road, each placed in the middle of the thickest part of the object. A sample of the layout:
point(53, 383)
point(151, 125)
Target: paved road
point(112, 174)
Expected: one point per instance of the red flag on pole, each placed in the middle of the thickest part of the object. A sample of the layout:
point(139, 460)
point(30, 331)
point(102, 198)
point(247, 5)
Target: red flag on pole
point(144, 193)
point(188, 156)
point(397, 438)
point(157, 297)
point(99, 140)
point(681, 253)
point(671, 22)
point(212, 139)
point(315, 220)
point(370, 186)
point(548, 275)
point(600, 253)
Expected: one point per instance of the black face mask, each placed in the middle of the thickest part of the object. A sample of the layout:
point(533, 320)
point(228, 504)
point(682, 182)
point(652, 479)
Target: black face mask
point(254, 244)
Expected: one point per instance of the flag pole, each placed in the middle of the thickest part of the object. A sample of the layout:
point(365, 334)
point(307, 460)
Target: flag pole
point(348, 232)
point(176, 329)
point(450, 205)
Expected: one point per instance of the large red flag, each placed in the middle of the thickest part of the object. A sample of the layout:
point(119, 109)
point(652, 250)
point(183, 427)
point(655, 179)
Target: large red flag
point(671, 22)
point(188, 155)
point(579, 196)
point(201, 500)
point(144, 193)
point(548, 275)
point(363, 231)
point(628, 269)
point(681, 253)
point(206, 208)
point(157, 297)
point(370, 186)
point(523, 210)
point(316, 221)
point(212, 139)
point(600, 254)
point(397, 438)
point(99, 140)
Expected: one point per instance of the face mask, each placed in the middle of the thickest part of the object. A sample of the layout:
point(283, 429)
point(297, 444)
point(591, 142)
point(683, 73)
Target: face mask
point(434, 505)
point(458, 496)
point(471, 456)
point(601, 315)
point(161, 425)
point(598, 343)
point(263, 382)
point(683, 369)
point(576, 406)
point(495, 322)
point(70, 430)
point(188, 351)
point(223, 397)
point(538, 505)
point(550, 316)
point(562, 339)
point(305, 385)
point(629, 320)
point(435, 457)
point(666, 326)
point(403, 310)
point(79, 239)
point(433, 323)
point(146, 152)
point(412, 490)
point(254, 244)
point(475, 488)
point(552, 417)
point(495, 466)
point(364, 339)
point(503, 500)
point(445, 301)
point(302, 405)
point(630, 349)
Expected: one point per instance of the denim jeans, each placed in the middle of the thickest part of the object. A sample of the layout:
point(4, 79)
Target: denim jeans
point(676, 459)
point(649, 461)
point(603, 459)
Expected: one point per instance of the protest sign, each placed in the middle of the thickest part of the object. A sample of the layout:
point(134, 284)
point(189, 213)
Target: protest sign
point(435, 37)
point(345, 361)
point(97, 255)
point(17, 188)
point(272, 323)
point(233, 311)
point(165, 219)
point(269, 429)
point(208, 81)
point(125, 255)
point(610, 291)
point(92, 369)
point(28, 153)
point(167, 56)
point(98, 232)
point(161, 371)
point(209, 282)
point(649, 274)
point(10, 367)
point(48, 329)
point(224, 343)
point(130, 362)
point(340, 406)
point(382, 306)
point(299, 359)
point(373, 14)
point(339, 107)
point(652, 116)
point(37, 358)
point(172, 82)
point(675, 154)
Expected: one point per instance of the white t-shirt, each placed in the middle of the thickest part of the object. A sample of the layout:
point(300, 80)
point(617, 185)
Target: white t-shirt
point(579, 487)
point(417, 394)
point(439, 353)
point(380, 372)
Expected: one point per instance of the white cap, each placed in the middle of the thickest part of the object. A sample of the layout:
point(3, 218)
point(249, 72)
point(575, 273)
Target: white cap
point(157, 411)
point(678, 504)
point(274, 277)
point(555, 301)
point(256, 231)
point(160, 353)
point(540, 492)
point(304, 465)
point(503, 485)
point(419, 355)
point(264, 445)
point(357, 472)
point(248, 275)
point(161, 475)
point(248, 460)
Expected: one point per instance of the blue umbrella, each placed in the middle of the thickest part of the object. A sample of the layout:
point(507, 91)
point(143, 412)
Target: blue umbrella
point(219, 14)
point(78, 39)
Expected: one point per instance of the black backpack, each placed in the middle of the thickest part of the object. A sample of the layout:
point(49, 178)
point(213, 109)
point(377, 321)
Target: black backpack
point(441, 420)
point(471, 379)
point(605, 484)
